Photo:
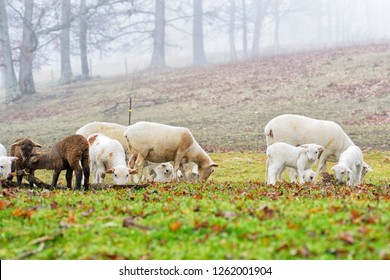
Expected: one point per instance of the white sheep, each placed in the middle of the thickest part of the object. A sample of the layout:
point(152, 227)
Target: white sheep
point(163, 172)
point(191, 173)
point(350, 165)
point(107, 156)
point(281, 155)
point(308, 175)
point(297, 130)
point(5, 162)
point(112, 130)
point(161, 143)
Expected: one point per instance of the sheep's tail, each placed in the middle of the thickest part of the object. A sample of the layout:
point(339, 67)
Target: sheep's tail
point(269, 137)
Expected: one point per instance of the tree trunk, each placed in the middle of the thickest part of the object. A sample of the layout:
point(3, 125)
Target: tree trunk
point(258, 25)
point(244, 30)
point(66, 68)
point(158, 56)
point(233, 53)
point(12, 90)
point(199, 55)
point(27, 51)
point(83, 41)
point(277, 24)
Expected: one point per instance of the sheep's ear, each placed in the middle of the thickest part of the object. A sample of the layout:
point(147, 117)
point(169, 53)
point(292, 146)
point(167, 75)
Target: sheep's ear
point(12, 158)
point(110, 171)
point(132, 171)
point(34, 159)
point(16, 143)
point(214, 165)
point(195, 169)
point(303, 146)
point(37, 145)
point(333, 168)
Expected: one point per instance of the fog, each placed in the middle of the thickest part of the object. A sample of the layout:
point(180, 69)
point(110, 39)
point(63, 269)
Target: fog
point(122, 34)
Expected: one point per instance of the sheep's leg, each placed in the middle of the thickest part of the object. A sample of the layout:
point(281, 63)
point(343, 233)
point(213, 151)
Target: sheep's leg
point(292, 174)
point(359, 170)
point(86, 173)
point(56, 174)
point(273, 171)
point(321, 166)
point(178, 165)
point(78, 173)
point(68, 176)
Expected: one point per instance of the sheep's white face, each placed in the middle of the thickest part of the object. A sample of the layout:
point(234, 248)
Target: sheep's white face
point(121, 174)
point(205, 172)
point(164, 171)
point(309, 175)
point(5, 166)
point(342, 171)
point(313, 151)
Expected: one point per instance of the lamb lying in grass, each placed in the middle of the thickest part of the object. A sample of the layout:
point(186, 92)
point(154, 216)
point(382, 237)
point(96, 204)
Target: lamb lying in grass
point(281, 155)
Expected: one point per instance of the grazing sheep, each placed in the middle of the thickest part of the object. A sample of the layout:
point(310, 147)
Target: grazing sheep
point(163, 172)
point(190, 171)
point(281, 155)
point(5, 162)
point(350, 165)
point(113, 130)
point(22, 148)
point(161, 143)
point(66, 154)
point(297, 130)
point(107, 156)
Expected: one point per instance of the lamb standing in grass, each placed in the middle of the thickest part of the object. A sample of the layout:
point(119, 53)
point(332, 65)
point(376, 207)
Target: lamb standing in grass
point(107, 156)
point(22, 148)
point(161, 143)
point(5, 162)
point(113, 130)
point(281, 155)
point(350, 165)
point(297, 130)
point(64, 155)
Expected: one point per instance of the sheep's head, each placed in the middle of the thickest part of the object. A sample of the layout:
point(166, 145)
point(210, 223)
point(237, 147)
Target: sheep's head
point(26, 146)
point(5, 166)
point(313, 151)
point(164, 169)
point(121, 174)
point(309, 175)
point(340, 171)
point(366, 169)
point(206, 171)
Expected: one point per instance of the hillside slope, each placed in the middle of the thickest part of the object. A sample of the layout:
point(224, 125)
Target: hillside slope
point(225, 106)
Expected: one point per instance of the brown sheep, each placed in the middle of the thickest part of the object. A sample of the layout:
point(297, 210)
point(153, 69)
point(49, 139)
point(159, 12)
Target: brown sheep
point(66, 154)
point(28, 147)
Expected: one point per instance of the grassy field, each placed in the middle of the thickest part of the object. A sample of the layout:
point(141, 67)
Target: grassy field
point(234, 215)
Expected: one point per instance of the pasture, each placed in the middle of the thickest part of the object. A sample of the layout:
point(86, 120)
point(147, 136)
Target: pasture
point(234, 215)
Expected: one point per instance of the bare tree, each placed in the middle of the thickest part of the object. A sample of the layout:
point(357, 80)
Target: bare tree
point(198, 53)
point(28, 48)
point(83, 30)
point(66, 68)
point(232, 22)
point(158, 56)
point(260, 13)
point(244, 29)
point(12, 89)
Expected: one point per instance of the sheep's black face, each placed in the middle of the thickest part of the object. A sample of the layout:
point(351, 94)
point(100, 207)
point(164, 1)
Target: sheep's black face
point(26, 149)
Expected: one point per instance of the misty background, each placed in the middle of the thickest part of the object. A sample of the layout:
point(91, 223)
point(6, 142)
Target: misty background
point(46, 43)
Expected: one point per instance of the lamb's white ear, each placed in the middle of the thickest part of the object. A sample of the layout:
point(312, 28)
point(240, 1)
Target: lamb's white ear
point(303, 146)
point(214, 165)
point(12, 158)
point(333, 167)
point(195, 169)
point(110, 171)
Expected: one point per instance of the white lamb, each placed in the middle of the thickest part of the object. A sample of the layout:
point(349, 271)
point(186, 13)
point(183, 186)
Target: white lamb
point(191, 173)
point(281, 155)
point(161, 143)
point(5, 162)
point(113, 130)
point(107, 156)
point(308, 175)
point(350, 165)
point(297, 130)
point(163, 172)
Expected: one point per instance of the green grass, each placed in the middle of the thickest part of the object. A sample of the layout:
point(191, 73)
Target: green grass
point(232, 216)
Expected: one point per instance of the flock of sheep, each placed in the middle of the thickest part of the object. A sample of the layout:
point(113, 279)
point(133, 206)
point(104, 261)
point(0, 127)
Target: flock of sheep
point(145, 150)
